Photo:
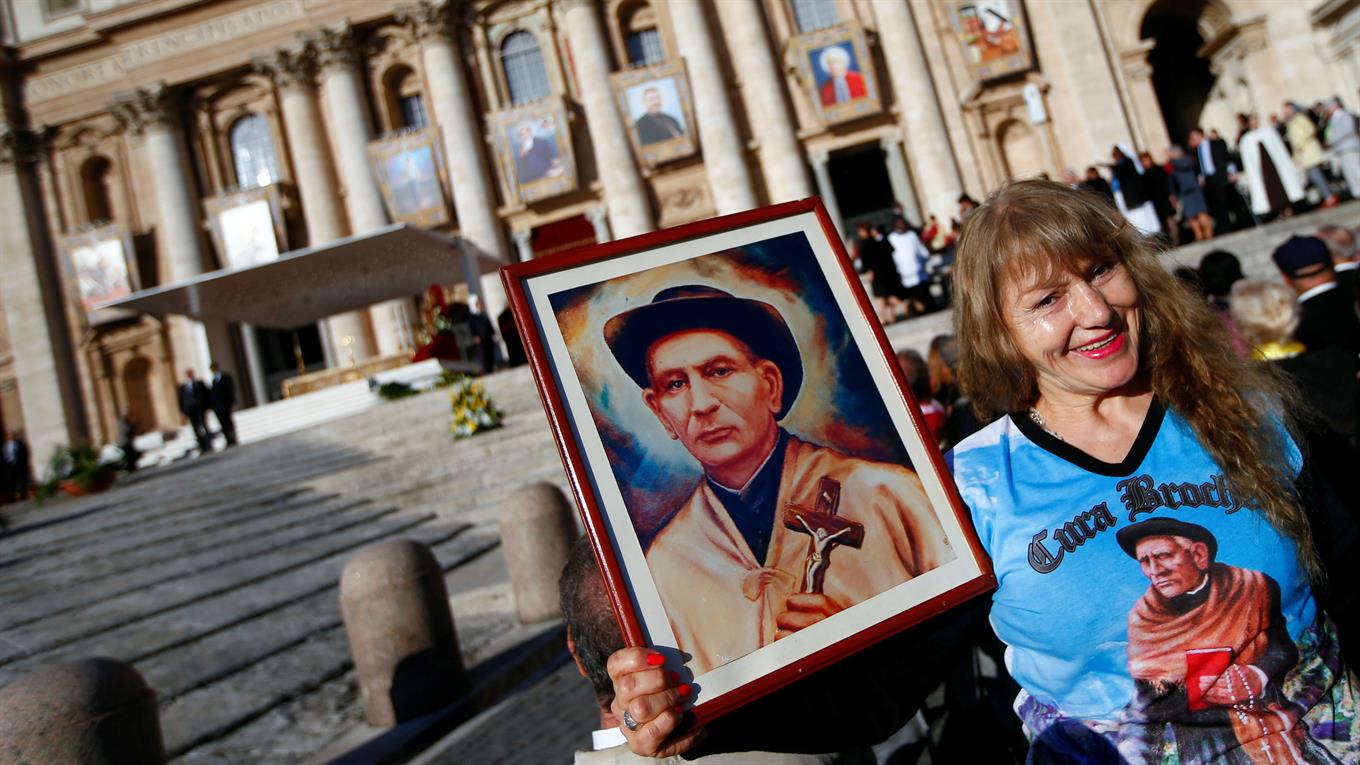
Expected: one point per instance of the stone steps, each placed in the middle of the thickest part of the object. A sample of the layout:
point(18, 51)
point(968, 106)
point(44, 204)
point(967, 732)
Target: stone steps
point(131, 576)
point(144, 632)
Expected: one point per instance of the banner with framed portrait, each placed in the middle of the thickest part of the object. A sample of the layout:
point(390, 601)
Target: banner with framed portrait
point(247, 226)
point(655, 104)
point(835, 66)
point(101, 264)
point(410, 170)
point(681, 366)
point(534, 150)
point(994, 36)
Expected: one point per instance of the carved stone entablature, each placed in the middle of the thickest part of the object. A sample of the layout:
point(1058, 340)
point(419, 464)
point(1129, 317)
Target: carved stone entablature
point(290, 68)
point(334, 46)
point(144, 108)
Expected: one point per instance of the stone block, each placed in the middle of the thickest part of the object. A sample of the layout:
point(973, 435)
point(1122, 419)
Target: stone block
point(537, 528)
point(401, 632)
point(90, 712)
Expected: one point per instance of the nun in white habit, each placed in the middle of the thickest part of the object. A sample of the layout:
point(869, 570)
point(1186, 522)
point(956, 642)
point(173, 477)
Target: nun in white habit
point(1272, 181)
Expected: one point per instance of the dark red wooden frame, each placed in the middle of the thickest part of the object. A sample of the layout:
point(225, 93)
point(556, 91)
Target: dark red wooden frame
point(578, 473)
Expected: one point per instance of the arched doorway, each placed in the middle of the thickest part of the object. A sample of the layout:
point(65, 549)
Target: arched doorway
point(1182, 80)
point(137, 389)
point(1022, 156)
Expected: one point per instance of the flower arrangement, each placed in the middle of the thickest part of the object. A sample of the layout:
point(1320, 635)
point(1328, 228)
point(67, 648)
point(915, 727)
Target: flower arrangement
point(473, 412)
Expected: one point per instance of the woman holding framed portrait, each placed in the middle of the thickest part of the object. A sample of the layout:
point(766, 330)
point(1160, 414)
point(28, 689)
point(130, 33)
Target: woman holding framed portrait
point(1155, 526)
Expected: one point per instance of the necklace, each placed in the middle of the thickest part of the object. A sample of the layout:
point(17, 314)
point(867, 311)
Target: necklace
point(1038, 419)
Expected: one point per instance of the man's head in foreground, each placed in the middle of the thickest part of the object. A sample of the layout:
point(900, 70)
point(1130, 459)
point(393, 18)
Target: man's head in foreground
point(592, 633)
point(1304, 262)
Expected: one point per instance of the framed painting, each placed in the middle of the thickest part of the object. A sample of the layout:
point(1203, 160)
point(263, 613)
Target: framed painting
point(994, 36)
point(533, 146)
point(247, 226)
point(736, 432)
point(835, 65)
point(100, 266)
point(655, 104)
point(410, 171)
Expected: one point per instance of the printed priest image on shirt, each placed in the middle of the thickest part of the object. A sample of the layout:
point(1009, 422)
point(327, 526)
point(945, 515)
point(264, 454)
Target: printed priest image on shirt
point(778, 532)
point(1209, 651)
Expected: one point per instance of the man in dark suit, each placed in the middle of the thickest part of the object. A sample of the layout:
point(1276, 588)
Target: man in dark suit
point(1329, 319)
point(480, 326)
point(193, 403)
point(1212, 162)
point(222, 397)
point(16, 468)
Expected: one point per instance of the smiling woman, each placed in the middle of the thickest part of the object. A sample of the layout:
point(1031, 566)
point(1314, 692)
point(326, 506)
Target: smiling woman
point(1143, 501)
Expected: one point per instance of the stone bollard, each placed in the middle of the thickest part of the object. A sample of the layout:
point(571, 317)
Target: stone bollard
point(89, 712)
point(400, 630)
point(538, 526)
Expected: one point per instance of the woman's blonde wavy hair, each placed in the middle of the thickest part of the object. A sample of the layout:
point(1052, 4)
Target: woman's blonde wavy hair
point(1041, 227)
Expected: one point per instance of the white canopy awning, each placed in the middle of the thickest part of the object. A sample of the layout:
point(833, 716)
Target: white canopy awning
point(307, 285)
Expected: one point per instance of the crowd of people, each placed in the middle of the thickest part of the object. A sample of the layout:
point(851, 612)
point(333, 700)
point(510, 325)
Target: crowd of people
point(1298, 159)
point(1208, 422)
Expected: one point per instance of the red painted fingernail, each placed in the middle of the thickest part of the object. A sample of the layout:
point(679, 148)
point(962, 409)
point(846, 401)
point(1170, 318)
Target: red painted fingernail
point(679, 710)
point(674, 676)
point(683, 690)
point(655, 660)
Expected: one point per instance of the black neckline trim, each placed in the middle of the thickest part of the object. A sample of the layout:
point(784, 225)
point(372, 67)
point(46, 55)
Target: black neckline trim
point(1152, 424)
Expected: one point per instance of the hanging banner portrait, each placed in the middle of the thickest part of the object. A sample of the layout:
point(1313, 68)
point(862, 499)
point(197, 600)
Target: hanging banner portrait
point(994, 36)
point(247, 226)
point(737, 432)
point(835, 65)
point(655, 104)
point(409, 167)
point(100, 263)
point(533, 146)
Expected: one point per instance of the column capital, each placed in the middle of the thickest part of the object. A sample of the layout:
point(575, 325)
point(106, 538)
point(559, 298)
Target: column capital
point(597, 215)
point(144, 108)
point(428, 20)
point(522, 235)
point(890, 142)
point(333, 46)
point(819, 157)
point(289, 68)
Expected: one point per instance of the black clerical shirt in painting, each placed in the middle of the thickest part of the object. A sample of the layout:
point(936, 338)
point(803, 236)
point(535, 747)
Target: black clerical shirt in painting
point(752, 508)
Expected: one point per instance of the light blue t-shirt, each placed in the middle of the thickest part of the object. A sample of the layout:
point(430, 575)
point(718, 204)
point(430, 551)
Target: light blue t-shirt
point(1062, 528)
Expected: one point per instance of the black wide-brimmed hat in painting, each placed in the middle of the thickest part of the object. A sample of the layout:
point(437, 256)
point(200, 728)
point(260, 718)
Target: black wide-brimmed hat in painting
point(693, 306)
point(1130, 536)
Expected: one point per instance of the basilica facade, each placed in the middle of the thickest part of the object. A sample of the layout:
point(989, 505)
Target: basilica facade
point(146, 142)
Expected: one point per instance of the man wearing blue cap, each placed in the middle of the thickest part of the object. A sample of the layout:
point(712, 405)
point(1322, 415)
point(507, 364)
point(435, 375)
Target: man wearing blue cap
point(1329, 318)
point(752, 554)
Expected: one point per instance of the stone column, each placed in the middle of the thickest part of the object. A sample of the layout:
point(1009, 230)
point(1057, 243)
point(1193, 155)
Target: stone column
point(781, 158)
point(900, 180)
point(154, 113)
point(599, 220)
point(349, 129)
point(722, 143)
point(822, 173)
point(34, 340)
point(522, 237)
point(630, 211)
point(294, 72)
point(460, 125)
point(931, 155)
